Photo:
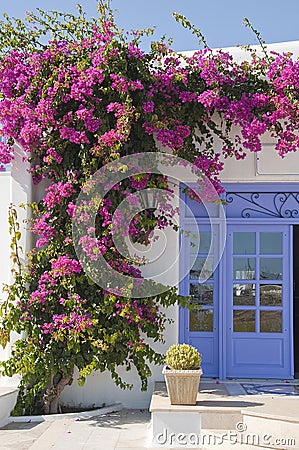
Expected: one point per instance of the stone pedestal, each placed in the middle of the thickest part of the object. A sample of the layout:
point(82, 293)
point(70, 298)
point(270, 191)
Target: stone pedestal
point(174, 426)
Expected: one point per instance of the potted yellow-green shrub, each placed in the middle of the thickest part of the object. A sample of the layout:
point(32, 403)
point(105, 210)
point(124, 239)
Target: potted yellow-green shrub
point(182, 374)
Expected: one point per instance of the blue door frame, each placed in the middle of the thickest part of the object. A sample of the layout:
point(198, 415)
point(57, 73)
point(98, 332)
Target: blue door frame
point(262, 351)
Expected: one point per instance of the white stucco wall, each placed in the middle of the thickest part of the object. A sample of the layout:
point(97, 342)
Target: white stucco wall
point(5, 189)
point(21, 194)
point(241, 54)
point(99, 387)
point(15, 188)
point(263, 167)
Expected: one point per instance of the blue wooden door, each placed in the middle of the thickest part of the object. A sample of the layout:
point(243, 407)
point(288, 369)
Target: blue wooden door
point(259, 298)
point(201, 328)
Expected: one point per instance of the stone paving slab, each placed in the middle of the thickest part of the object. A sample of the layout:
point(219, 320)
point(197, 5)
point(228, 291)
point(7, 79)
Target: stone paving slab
point(125, 429)
point(21, 436)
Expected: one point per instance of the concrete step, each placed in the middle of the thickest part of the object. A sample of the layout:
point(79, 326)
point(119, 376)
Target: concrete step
point(218, 412)
point(278, 425)
point(228, 421)
point(233, 439)
point(229, 440)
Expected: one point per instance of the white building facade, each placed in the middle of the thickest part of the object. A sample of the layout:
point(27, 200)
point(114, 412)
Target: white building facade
point(249, 321)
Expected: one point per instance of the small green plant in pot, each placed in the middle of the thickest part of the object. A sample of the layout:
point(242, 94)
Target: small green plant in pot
point(182, 374)
point(183, 357)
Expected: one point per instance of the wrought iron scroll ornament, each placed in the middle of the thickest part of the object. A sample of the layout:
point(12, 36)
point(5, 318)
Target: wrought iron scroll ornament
point(272, 204)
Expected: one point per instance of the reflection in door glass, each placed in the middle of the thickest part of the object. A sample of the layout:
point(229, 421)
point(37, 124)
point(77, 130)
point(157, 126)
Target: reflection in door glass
point(244, 268)
point(271, 243)
point(201, 320)
point(244, 243)
point(200, 243)
point(244, 321)
point(202, 294)
point(271, 321)
point(271, 294)
point(270, 268)
point(244, 294)
point(202, 269)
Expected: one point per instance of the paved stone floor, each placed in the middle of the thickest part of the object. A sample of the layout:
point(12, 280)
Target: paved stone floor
point(130, 429)
point(126, 429)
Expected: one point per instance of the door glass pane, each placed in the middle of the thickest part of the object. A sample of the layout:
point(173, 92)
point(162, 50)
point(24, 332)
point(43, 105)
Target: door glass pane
point(270, 268)
point(271, 294)
point(271, 243)
point(204, 241)
point(202, 269)
point(244, 321)
point(202, 294)
point(244, 243)
point(271, 321)
point(244, 268)
point(244, 294)
point(200, 243)
point(201, 320)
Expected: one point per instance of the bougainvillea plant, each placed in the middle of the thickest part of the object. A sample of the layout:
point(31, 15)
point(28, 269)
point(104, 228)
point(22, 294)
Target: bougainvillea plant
point(77, 94)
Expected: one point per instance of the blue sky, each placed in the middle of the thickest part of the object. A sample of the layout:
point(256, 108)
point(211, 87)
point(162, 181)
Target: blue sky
point(219, 20)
